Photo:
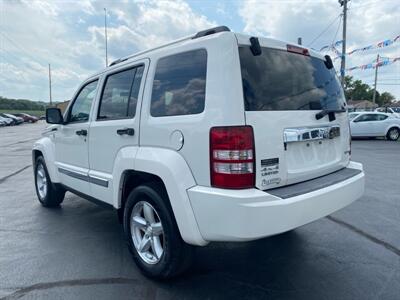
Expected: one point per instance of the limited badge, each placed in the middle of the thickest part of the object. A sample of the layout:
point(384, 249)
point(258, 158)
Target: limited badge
point(269, 166)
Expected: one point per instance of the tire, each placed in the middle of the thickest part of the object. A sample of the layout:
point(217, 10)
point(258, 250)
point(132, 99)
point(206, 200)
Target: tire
point(49, 195)
point(176, 255)
point(393, 134)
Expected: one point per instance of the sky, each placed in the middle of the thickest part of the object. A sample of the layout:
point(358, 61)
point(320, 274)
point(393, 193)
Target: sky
point(69, 35)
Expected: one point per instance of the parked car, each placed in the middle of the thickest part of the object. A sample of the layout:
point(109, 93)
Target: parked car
point(374, 124)
point(396, 109)
point(215, 137)
point(26, 117)
point(389, 110)
point(7, 121)
point(17, 120)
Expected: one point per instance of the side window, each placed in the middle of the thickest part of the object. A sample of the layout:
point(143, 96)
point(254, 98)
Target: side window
point(367, 118)
point(80, 109)
point(382, 117)
point(179, 85)
point(120, 94)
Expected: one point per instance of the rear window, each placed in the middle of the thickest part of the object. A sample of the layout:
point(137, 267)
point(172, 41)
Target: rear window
point(179, 85)
point(280, 80)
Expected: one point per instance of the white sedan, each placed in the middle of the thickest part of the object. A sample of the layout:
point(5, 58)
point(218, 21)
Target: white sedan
point(374, 124)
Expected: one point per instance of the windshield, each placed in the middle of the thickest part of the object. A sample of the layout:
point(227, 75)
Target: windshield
point(352, 116)
point(280, 80)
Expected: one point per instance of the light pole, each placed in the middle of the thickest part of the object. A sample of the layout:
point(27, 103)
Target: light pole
point(105, 33)
point(51, 102)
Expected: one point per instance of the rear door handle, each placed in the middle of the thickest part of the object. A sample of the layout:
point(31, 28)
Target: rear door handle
point(127, 131)
point(81, 132)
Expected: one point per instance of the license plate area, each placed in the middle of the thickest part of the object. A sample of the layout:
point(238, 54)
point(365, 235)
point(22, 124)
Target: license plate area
point(306, 134)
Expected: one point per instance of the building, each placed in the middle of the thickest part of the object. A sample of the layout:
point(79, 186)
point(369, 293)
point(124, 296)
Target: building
point(361, 105)
point(63, 105)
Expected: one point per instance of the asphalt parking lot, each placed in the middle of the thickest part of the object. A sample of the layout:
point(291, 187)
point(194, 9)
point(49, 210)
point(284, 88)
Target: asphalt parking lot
point(77, 251)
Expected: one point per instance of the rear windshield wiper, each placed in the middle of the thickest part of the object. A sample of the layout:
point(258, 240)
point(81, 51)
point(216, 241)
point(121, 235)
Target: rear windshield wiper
point(330, 113)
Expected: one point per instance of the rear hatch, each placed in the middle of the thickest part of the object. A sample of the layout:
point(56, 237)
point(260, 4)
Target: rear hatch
point(287, 91)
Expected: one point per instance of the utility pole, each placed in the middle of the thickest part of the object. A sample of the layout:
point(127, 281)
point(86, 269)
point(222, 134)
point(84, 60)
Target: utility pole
point(343, 61)
point(105, 33)
point(376, 78)
point(50, 84)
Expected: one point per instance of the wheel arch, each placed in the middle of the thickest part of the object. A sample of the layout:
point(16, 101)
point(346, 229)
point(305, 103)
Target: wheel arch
point(168, 168)
point(45, 148)
point(391, 127)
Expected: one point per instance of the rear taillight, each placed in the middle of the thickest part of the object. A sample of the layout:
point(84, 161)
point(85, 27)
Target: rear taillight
point(232, 157)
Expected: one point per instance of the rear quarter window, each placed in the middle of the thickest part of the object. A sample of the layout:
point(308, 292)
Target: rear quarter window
point(179, 84)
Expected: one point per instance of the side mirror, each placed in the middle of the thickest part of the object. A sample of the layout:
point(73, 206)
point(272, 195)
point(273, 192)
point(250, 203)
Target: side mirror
point(54, 116)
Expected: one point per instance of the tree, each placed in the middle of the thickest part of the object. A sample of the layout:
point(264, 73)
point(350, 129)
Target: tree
point(358, 90)
point(385, 98)
point(21, 104)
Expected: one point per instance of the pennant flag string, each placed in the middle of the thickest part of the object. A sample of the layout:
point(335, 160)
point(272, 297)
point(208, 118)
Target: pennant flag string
point(381, 44)
point(384, 62)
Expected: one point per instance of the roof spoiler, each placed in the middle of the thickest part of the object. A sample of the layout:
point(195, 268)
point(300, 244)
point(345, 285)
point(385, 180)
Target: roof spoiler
point(211, 31)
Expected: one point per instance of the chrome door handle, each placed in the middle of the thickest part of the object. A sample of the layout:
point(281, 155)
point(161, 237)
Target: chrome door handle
point(127, 131)
point(82, 132)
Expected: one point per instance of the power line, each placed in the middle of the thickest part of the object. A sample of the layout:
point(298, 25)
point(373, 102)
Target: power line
point(389, 79)
point(323, 31)
point(337, 30)
point(19, 47)
point(9, 54)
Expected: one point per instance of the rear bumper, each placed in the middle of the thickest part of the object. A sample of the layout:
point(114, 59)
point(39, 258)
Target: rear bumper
point(240, 215)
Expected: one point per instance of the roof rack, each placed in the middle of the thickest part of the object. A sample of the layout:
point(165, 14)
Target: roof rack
point(211, 31)
point(197, 35)
point(118, 61)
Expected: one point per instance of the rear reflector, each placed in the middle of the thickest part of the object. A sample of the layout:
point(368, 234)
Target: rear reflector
point(232, 157)
point(298, 50)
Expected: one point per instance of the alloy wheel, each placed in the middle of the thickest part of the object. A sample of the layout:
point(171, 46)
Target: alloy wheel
point(394, 134)
point(41, 181)
point(147, 232)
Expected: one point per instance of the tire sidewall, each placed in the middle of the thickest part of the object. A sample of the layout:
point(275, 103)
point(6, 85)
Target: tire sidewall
point(40, 161)
point(390, 130)
point(54, 196)
point(146, 193)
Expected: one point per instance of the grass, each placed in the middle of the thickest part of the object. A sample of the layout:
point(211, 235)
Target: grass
point(36, 113)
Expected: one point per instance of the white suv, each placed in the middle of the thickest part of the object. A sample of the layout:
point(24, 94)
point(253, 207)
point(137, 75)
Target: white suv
point(214, 137)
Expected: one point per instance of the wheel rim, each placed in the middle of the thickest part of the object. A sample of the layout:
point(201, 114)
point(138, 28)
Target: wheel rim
point(147, 232)
point(394, 134)
point(41, 181)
